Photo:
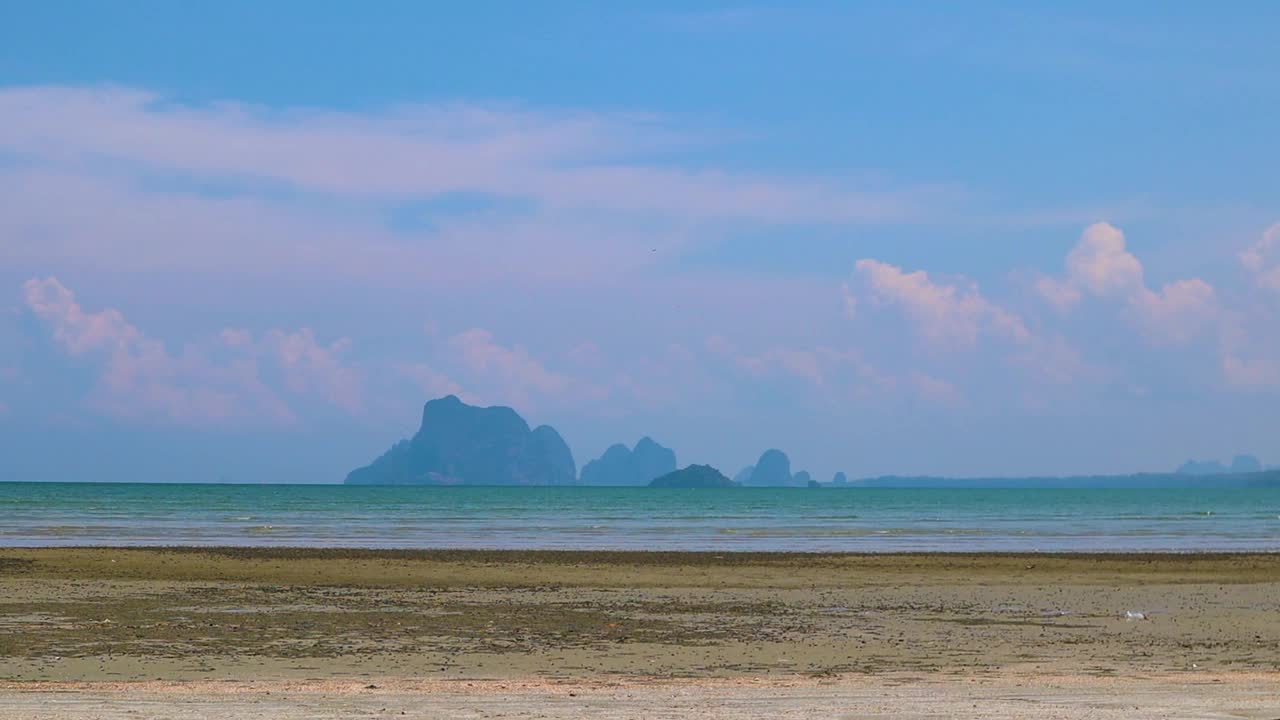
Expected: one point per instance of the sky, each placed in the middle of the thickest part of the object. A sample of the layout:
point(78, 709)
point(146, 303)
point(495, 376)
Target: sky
point(247, 241)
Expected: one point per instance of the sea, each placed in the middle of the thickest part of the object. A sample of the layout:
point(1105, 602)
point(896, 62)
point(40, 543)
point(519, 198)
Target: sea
point(597, 518)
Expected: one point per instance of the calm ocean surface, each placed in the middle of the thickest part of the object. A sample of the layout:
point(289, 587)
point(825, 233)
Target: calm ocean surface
point(860, 519)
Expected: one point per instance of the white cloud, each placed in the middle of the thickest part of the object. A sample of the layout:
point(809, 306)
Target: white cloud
point(141, 379)
point(1262, 259)
point(586, 354)
point(1101, 267)
point(1062, 295)
point(958, 316)
point(1054, 360)
point(433, 382)
point(68, 220)
point(236, 337)
point(1249, 349)
point(850, 301)
point(1250, 373)
point(564, 160)
point(802, 364)
point(836, 375)
point(1176, 313)
point(516, 373)
point(313, 368)
point(935, 390)
point(948, 316)
point(79, 332)
point(719, 345)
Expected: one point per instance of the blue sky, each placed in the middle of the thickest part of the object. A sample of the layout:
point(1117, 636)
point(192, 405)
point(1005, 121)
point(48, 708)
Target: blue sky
point(988, 238)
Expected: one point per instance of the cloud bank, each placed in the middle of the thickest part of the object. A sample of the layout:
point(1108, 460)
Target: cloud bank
point(570, 263)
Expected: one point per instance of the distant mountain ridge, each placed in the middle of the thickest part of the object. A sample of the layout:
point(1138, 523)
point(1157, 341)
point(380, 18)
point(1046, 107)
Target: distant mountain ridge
point(620, 466)
point(1239, 464)
point(1267, 478)
point(460, 444)
point(773, 469)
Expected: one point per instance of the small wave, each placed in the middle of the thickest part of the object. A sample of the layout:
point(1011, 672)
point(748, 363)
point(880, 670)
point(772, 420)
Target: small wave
point(69, 531)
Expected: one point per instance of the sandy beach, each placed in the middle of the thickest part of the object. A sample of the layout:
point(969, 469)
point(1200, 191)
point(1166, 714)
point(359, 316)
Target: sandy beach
point(901, 697)
point(334, 633)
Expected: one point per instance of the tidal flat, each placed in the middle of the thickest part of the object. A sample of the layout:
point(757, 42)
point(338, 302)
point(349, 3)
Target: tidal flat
point(86, 618)
point(250, 613)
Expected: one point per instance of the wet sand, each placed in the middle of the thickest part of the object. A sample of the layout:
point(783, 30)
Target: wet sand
point(745, 628)
point(1244, 696)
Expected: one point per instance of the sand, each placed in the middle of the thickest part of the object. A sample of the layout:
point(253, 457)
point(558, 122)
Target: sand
point(882, 696)
point(730, 635)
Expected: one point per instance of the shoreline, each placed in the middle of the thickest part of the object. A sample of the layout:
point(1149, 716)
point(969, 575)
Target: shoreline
point(510, 567)
point(1243, 696)
point(460, 553)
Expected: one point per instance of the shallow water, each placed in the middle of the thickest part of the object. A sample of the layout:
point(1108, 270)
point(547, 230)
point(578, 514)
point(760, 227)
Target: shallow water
point(829, 519)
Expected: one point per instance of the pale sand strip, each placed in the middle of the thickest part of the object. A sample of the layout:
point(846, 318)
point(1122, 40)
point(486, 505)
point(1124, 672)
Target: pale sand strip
point(1250, 696)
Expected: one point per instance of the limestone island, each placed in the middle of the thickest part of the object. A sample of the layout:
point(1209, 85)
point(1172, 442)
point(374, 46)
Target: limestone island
point(461, 444)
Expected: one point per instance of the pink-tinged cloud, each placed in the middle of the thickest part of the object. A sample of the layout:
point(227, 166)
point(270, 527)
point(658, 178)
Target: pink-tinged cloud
point(850, 301)
point(1055, 361)
point(672, 378)
point(311, 368)
point(61, 219)
point(1262, 259)
point(558, 160)
point(236, 338)
point(220, 382)
point(434, 383)
point(835, 375)
point(139, 378)
point(1177, 312)
point(797, 363)
point(1100, 266)
point(511, 371)
point(79, 332)
point(586, 354)
point(935, 390)
point(719, 345)
point(1249, 349)
point(943, 315)
point(958, 317)
point(1250, 373)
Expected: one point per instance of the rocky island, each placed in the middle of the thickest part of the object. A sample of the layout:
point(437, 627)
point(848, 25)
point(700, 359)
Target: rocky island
point(461, 444)
point(694, 476)
point(621, 466)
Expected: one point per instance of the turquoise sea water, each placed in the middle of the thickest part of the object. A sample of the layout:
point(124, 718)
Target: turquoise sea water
point(858, 519)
